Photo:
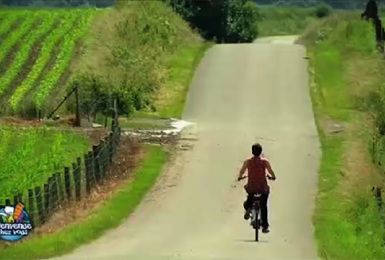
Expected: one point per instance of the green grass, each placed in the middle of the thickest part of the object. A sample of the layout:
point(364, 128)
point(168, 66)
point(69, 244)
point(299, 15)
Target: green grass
point(110, 214)
point(284, 20)
point(29, 156)
point(347, 222)
point(171, 98)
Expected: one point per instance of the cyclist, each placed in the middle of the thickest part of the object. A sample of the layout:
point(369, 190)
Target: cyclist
point(256, 172)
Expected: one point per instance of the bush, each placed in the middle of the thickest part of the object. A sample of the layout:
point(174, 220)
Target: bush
point(322, 10)
point(242, 21)
point(132, 43)
point(224, 21)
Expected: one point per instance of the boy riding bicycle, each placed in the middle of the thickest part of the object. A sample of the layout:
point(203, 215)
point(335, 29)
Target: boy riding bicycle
point(256, 172)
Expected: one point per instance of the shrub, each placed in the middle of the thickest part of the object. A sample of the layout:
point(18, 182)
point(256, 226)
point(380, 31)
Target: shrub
point(322, 10)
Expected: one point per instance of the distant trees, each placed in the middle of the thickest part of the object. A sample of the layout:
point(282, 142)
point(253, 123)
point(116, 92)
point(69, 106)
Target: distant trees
point(58, 3)
point(341, 4)
point(220, 20)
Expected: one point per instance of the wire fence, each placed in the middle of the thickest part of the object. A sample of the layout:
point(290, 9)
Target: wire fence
point(73, 183)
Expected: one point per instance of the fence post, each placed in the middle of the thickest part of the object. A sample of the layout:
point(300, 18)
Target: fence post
point(17, 198)
point(96, 162)
point(67, 183)
point(39, 204)
point(7, 202)
point(79, 163)
point(31, 207)
point(76, 177)
point(61, 196)
point(92, 168)
point(87, 173)
point(54, 192)
point(110, 146)
point(47, 211)
point(102, 159)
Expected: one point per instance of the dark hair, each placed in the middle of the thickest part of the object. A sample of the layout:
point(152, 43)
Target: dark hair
point(256, 149)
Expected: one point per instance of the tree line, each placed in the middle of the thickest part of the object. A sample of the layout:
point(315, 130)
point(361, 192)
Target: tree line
point(58, 3)
point(339, 4)
point(220, 20)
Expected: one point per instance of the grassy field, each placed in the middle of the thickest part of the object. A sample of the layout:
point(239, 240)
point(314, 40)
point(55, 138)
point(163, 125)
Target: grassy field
point(284, 20)
point(29, 156)
point(108, 215)
point(37, 49)
point(345, 69)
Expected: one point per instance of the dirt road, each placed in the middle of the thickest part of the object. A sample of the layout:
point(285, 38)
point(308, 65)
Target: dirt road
point(241, 94)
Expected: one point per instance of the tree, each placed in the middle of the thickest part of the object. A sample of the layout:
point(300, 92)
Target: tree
point(220, 20)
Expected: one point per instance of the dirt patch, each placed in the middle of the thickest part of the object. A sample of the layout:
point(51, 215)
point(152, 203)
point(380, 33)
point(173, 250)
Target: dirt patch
point(332, 127)
point(358, 171)
point(128, 156)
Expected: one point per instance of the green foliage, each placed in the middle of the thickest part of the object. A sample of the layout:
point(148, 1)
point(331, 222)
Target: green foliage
point(21, 57)
point(322, 10)
point(64, 57)
point(284, 20)
point(142, 36)
point(95, 224)
point(346, 32)
point(223, 21)
point(348, 224)
point(46, 52)
point(29, 156)
point(242, 20)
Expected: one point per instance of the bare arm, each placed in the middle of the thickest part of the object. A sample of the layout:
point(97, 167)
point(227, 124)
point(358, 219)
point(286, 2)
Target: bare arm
point(270, 170)
point(243, 170)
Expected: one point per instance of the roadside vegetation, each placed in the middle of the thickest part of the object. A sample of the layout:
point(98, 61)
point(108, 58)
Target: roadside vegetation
point(347, 92)
point(30, 155)
point(106, 215)
point(140, 53)
point(276, 21)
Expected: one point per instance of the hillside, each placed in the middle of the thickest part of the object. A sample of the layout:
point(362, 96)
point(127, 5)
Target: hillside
point(142, 53)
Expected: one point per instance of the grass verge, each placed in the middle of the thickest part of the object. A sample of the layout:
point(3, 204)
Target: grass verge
point(170, 99)
point(110, 214)
point(344, 66)
point(284, 20)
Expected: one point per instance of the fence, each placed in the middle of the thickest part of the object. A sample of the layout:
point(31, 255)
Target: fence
point(73, 183)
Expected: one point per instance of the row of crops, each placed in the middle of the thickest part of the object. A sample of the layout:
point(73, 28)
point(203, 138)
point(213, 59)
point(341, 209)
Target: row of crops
point(29, 156)
point(37, 47)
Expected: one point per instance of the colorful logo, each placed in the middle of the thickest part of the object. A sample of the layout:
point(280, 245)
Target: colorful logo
point(15, 222)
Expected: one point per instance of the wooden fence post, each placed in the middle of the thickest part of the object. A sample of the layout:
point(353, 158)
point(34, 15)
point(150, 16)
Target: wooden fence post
point(39, 205)
point(54, 192)
point(102, 161)
point(47, 211)
point(110, 146)
point(31, 206)
point(96, 162)
point(67, 183)
point(17, 198)
point(87, 166)
point(76, 177)
point(58, 179)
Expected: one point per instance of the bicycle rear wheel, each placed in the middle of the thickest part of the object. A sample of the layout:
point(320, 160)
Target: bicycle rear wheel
point(256, 223)
point(256, 234)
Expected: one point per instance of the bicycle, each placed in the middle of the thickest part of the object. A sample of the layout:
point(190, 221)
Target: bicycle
point(255, 219)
